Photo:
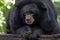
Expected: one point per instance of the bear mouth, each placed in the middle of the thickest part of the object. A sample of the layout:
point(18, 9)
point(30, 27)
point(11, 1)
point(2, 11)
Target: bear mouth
point(29, 22)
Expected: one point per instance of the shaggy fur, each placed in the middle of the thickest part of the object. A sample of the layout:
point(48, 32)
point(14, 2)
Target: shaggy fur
point(44, 16)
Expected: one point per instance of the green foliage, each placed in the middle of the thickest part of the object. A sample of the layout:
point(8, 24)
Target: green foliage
point(4, 7)
point(57, 6)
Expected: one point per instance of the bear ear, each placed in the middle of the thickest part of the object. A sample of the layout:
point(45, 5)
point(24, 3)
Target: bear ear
point(43, 9)
point(41, 6)
point(21, 3)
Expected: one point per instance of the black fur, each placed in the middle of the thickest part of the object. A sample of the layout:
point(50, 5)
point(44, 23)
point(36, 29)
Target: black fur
point(45, 21)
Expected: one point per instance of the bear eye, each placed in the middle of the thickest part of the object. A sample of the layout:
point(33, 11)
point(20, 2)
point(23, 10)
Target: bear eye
point(23, 14)
point(35, 15)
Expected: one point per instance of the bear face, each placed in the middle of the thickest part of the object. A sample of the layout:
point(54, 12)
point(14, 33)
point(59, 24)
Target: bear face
point(29, 13)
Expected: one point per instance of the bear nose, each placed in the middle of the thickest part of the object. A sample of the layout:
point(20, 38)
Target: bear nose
point(28, 19)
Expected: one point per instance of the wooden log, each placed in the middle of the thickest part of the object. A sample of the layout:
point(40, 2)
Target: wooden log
point(19, 37)
point(11, 37)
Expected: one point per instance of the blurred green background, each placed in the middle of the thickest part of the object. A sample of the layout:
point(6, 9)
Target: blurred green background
point(5, 5)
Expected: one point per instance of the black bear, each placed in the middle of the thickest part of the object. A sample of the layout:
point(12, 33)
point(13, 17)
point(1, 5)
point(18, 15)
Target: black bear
point(32, 17)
